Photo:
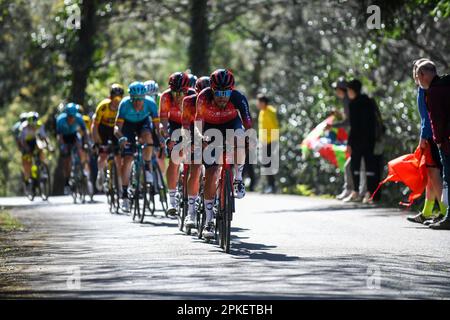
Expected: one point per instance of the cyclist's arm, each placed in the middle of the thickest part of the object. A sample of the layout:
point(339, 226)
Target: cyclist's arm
point(241, 103)
point(164, 107)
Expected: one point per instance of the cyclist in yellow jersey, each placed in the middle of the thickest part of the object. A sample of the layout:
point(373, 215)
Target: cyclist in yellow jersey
point(103, 129)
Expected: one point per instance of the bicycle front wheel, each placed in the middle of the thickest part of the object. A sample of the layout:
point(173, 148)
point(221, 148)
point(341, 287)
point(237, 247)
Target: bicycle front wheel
point(44, 181)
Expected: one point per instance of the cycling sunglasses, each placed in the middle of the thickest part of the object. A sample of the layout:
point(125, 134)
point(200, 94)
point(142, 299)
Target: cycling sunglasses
point(222, 94)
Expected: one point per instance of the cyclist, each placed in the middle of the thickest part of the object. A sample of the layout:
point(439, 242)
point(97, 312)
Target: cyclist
point(170, 115)
point(153, 91)
point(103, 129)
point(188, 117)
point(16, 128)
point(221, 107)
point(31, 130)
point(69, 125)
point(133, 119)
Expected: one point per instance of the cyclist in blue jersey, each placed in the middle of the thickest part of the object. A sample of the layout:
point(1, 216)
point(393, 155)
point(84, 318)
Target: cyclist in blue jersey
point(133, 120)
point(69, 125)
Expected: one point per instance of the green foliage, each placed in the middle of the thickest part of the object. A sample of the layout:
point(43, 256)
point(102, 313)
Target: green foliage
point(291, 50)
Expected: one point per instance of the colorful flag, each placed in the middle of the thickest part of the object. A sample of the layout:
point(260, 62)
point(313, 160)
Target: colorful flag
point(328, 144)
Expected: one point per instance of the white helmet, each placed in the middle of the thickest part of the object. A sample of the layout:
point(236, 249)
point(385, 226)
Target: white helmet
point(152, 87)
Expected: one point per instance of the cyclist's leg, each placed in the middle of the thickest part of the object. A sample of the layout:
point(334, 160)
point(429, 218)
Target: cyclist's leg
point(26, 165)
point(129, 131)
point(66, 154)
point(145, 134)
point(172, 170)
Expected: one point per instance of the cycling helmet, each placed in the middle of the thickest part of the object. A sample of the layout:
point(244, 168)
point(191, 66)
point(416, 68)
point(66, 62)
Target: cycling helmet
point(80, 108)
point(71, 109)
point(192, 80)
point(178, 81)
point(222, 79)
point(116, 90)
point(23, 116)
point(152, 87)
point(137, 88)
point(202, 83)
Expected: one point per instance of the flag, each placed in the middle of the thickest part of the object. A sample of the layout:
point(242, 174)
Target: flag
point(331, 144)
point(411, 170)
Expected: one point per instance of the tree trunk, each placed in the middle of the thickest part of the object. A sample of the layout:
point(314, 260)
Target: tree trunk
point(199, 53)
point(81, 64)
point(81, 58)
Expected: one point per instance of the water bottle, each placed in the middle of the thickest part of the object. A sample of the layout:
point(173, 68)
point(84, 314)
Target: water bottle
point(34, 171)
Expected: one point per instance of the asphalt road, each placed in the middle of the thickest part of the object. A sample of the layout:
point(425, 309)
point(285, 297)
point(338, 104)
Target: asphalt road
point(284, 247)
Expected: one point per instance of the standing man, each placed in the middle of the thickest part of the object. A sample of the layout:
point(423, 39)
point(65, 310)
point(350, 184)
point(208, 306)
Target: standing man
point(434, 184)
point(437, 99)
point(267, 123)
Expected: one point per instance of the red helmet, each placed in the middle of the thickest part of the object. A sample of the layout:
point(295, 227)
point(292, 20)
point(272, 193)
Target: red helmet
point(202, 83)
point(179, 81)
point(222, 79)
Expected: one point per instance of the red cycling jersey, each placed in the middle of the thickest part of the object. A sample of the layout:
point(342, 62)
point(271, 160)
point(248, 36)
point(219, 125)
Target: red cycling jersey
point(189, 111)
point(209, 112)
point(168, 109)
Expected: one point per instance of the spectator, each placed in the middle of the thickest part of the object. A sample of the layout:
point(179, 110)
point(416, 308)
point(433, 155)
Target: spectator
point(267, 122)
point(341, 92)
point(361, 141)
point(437, 99)
point(434, 167)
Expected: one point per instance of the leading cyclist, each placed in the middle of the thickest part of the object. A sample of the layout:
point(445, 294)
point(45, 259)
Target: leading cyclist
point(222, 107)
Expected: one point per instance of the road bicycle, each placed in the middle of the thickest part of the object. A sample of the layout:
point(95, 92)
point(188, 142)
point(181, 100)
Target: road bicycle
point(111, 185)
point(141, 192)
point(40, 178)
point(225, 203)
point(79, 182)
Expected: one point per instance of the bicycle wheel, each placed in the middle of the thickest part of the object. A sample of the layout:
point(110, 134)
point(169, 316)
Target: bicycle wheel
point(161, 187)
point(28, 190)
point(228, 212)
point(136, 195)
point(146, 192)
point(225, 212)
point(201, 216)
point(180, 203)
point(116, 187)
point(44, 181)
point(109, 187)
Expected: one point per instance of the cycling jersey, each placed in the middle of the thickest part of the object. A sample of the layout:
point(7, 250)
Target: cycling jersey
point(63, 127)
point(169, 109)
point(104, 115)
point(209, 112)
point(29, 133)
point(189, 110)
point(127, 112)
point(87, 122)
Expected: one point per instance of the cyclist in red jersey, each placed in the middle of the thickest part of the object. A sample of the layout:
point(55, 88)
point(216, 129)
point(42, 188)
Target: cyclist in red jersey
point(187, 119)
point(221, 107)
point(170, 116)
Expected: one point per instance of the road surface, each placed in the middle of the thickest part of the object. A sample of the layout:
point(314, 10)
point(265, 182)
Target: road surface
point(284, 247)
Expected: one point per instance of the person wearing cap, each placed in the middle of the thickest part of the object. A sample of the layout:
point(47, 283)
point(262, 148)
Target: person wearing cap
point(437, 100)
point(361, 141)
point(433, 190)
point(340, 87)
